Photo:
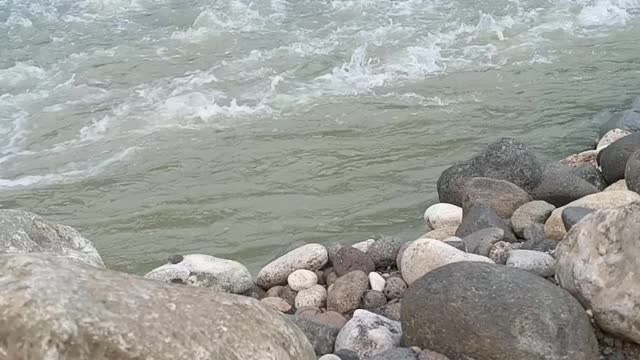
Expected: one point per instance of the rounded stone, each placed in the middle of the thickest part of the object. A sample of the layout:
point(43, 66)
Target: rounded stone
point(363, 246)
point(590, 174)
point(321, 336)
point(396, 354)
point(560, 185)
point(274, 291)
point(499, 252)
point(372, 299)
point(277, 304)
point(310, 257)
point(613, 159)
point(500, 195)
point(481, 216)
point(346, 293)
point(368, 334)
point(350, 259)
point(332, 318)
point(384, 251)
point(443, 215)
point(441, 233)
point(315, 296)
point(534, 212)
point(302, 279)
point(376, 281)
point(394, 288)
point(632, 172)
point(535, 262)
point(331, 278)
point(572, 215)
point(329, 357)
point(480, 242)
point(584, 158)
point(401, 252)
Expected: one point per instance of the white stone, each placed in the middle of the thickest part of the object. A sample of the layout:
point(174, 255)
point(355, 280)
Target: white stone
point(443, 215)
point(536, 262)
point(302, 279)
point(229, 275)
point(610, 137)
point(377, 281)
point(368, 334)
point(364, 246)
point(310, 257)
point(315, 296)
point(424, 255)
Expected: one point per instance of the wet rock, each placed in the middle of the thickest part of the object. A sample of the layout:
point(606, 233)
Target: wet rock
point(425, 255)
point(535, 262)
point(534, 212)
point(364, 246)
point(83, 312)
point(572, 215)
point(598, 262)
point(505, 159)
point(302, 279)
point(499, 252)
point(560, 186)
point(584, 158)
point(311, 257)
point(321, 336)
point(625, 120)
point(481, 216)
point(480, 242)
point(632, 172)
point(394, 288)
point(346, 293)
point(500, 195)
point(441, 233)
point(229, 275)
point(376, 281)
point(443, 215)
point(486, 311)
point(383, 252)
point(613, 159)
point(25, 232)
point(368, 334)
point(372, 299)
point(277, 304)
point(610, 137)
point(313, 296)
point(350, 259)
point(396, 354)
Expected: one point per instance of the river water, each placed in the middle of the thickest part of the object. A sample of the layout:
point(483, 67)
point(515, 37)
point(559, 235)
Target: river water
point(236, 128)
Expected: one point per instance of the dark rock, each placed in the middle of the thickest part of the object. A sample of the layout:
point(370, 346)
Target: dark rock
point(481, 241)
point(345, 354)
point(174, 259)
point(255, 292)
point(321, 336)
point(572, 215)
point(384, 251)
point(485, 311)
point(591, 174)
point(395, 354)
point(456, 242)
point(613, 158)
point(481, 216)
point(368, 333)
point(349, 259)
point(289, 295)
point(626, 120)
point(632, 172)
point(534, 232)
point(346, 293)
point(372, 299)
point(543, 245)
point(560, 186)
point(394, 288)
point(500, 195)
point(505, 159)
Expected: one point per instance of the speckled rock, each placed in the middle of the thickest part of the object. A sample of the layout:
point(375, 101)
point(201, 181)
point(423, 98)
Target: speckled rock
point(584, 158)
point(302, 279)
point(83, 312)
point(499, 252)
point(368, 334)
point(376, 281)
point(372, 299)
point(332, 250)
point(394, 288)
point(610, 137)
point(25, 232)
point(500, 195)
point(313, 296)
point(277, 304)
point(441, 233)
point(481, 241)
point(350, 259)
point(364, 246)
point(384, 251)
point(535, 262)
point(481, 216)
point(311, 257)
point(229, 275)
point(346, 293)
point(443, 215)
point(530, 213)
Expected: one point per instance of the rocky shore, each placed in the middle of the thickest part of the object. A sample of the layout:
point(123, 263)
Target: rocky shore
point(520, 260)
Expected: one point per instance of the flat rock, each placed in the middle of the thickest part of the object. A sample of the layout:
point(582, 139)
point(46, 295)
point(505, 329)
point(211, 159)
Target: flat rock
point(311, 257)
point(481, 241)
point(610, 137)
point(302, 279)
point(500, 195)
point(486, 311)
point(346, 293)
point(441, 233)
point(572, 215)
point(372, 299)
point(533, 212)
point(443, 215)
point(229, 275)
point(376, 281)
point(584, 158)
point(425, 255)
point(277, 304)
point(25, 232)
point(313, 296)
point(396, 354)
point(384, 251)
point(481, 216)
point(598, 263)
point(560, 186)
point(321, 336)
point(535, 262)
point(613, 159)
point(350, 259)
point(82, 312)
point(618, 185)
point(394, 288)
point(554, 228)
point(368, 334)
point(632, 172)
point(625, 120)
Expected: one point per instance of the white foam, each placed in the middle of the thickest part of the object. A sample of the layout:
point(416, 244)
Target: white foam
point(21, 75)
point(607, 12)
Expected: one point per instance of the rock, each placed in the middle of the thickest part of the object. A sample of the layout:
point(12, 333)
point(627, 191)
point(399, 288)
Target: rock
point(174, 259)
point(481, 241)
point(313, 296)
point(504, 159)
point(625, 120)
point(363, 246)
point(277, 304)
point(487, 311)
point(598, 262)
point(332, 250)
point(372, 299)
point(391, 310)
point(591, 174)
point(432, 355)
point(311, 257)
point(394, 288)
point(345, 354)
point(331, 278)
point(229, 275)
point(320, 276)
point(481, 216)
point(542, 245)
point(499, 252)
point(401, 252)
point(443, 215)
point(554, 228)
point(500, 195)
point(376, 281)
point(383, 252)
point(329, 357)
point(396, 354)
point(610, 137)
point(456, 242)
point(534, 232)
point(560, 186)
point(330, 318)
point(632, 172)
point(572, 215)
point(530, 213)
point(302, 279)
point(613, 159)
point(289, 295)
point(255, 292)
point(535, 262)
point(347, 292)
point(584, 158)
point(350, 259)
point(368, 334)
point(308, 311)
point(321, 336)
point(25, 232)
point(425, 255)
point(441, 234)
point(87, 313)
point(618, 185)
point(274, 291)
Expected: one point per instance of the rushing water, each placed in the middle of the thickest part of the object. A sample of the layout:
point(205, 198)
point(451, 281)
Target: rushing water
point(236, 127)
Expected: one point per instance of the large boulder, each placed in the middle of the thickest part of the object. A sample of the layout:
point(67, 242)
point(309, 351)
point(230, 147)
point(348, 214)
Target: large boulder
point(632, 172)
point(613, 159)
point(487, 311)
point(481, 216)
point(500, 195)
point(505, 159)
point(368, 334)
point(625, 120)
point(311, 257)
point(554, 228)
point(56, 308)
point(560, 186)
point(229, 275)
point(598, 262)
point(25, 232)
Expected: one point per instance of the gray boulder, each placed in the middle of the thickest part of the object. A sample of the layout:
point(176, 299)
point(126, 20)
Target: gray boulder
point(534, 212)
point(481, 216)
point(560, 186)
point(56, 308)
point(25, 232)
point(632, 172)
point(349, 259)
point(488, 311)
point(384, 251)
point(481, 241)
point(613, 159)
point(368, 334)
point(321, 335)
point(500, 195)
point(505, 159)
point(626, 120)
